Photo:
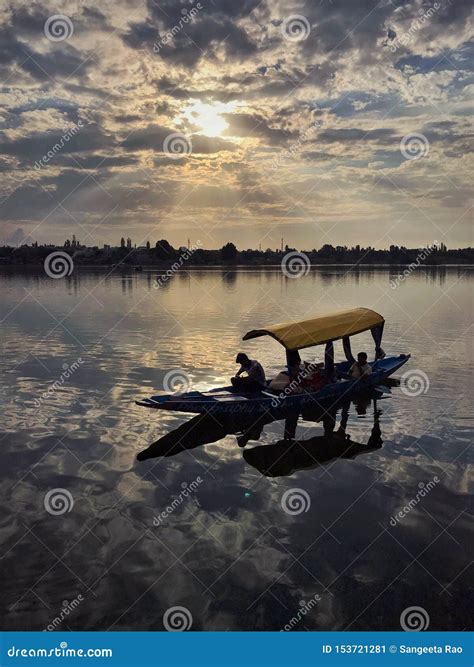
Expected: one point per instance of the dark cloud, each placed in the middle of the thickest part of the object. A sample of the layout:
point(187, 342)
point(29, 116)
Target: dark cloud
point(28, 20)
point(255, 125)
point(63, 61)
point(34, 146)
point(94, 161)
point(152, 138)
point(173, 34)
point(349, 135)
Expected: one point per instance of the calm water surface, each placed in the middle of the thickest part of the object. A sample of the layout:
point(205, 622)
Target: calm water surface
point(227, 552)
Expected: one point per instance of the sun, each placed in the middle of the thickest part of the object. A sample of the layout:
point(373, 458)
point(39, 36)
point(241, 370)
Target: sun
point(208, 117)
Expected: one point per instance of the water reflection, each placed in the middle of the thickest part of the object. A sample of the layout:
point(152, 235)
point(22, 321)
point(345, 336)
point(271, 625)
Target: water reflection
point(288, 454)
point(229, 553)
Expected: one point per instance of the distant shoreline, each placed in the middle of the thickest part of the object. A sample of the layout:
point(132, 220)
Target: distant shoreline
point(131, 268)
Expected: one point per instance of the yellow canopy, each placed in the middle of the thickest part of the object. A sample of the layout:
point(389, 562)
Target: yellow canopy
point(319, 330)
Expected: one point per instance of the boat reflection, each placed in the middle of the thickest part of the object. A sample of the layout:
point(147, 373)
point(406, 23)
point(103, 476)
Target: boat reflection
point(287, 455)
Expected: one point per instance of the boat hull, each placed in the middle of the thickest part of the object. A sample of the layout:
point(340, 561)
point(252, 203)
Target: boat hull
point(229, 401)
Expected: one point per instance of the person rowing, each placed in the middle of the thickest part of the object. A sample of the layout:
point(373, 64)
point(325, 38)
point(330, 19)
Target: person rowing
point(254, 380)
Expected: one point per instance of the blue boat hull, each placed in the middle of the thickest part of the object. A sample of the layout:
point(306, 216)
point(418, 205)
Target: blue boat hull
point(229, 401)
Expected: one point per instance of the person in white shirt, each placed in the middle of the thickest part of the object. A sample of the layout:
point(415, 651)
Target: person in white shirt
point(255, 379)
point(361, 369)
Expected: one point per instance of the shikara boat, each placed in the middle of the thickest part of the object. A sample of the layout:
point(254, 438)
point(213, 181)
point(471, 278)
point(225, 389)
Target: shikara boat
point(295, 336)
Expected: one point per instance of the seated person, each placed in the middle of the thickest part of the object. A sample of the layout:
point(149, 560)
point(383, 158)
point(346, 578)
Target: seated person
point(361, 369)
point(315, 377)
point(299, 378)
point(290, 376)
point(280, 381)
point(255, 379)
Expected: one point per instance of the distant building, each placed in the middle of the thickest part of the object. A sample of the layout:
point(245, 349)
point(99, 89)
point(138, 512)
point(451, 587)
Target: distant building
point(129, 243)
point(74, 244)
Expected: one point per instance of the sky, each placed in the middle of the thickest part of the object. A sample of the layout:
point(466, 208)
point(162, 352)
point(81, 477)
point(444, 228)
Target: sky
point(320, 121)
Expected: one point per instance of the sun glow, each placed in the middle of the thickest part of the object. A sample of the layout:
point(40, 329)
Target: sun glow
point(207, 117)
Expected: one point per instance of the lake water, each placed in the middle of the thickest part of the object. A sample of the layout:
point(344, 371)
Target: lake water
point(227, 551)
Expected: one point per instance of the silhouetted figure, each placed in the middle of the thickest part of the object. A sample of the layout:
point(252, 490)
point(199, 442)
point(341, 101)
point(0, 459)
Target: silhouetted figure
point(255, 378)
point(361, 369)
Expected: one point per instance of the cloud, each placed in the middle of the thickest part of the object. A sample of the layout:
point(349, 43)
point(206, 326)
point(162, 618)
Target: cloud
point(255, 125)
point(130, 95)
point(153, 137)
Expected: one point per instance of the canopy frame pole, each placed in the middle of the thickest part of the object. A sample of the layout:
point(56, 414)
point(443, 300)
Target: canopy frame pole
point(292, 359)
point(329, 361)
point(346, 343)
point(377, 333)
